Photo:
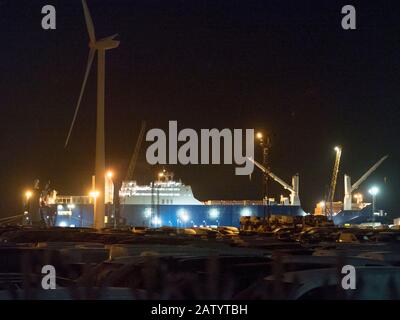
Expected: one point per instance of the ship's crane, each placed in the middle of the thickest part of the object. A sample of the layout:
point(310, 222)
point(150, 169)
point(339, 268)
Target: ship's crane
point(349, 188)
point(135, 155)
point(129, 173)
point(332, 188)
point(293, 189)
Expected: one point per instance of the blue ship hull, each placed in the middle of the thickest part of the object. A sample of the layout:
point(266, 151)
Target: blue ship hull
point(357, 217)
point(179, 215)
point(196, 215)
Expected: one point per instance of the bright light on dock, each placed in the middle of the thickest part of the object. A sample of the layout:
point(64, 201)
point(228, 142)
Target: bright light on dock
point(183, 215)
point(245, 212)
point(373, 191)
point(28, 194)
point(214, 213)
point(94, 194)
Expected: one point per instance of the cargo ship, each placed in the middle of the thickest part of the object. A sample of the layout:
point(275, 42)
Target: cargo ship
point(166, 202)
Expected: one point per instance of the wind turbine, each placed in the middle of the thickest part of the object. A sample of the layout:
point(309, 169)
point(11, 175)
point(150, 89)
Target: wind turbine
point(100, 46)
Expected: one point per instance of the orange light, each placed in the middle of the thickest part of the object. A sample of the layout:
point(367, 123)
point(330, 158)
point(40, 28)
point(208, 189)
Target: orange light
point(28, 194)
point(94, 194)
point(109, 174)
point(259, 135)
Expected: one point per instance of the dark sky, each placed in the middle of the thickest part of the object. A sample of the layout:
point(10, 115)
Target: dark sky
point(285, 67)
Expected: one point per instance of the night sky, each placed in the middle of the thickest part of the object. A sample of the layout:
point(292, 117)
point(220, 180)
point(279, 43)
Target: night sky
point(284, 67)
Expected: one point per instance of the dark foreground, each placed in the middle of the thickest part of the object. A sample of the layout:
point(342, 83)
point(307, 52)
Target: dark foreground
point(202, 264)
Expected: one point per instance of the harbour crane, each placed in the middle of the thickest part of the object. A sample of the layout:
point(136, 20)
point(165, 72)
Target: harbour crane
point(293, 189)
point(135, 155)
point(332, 188)
point(349, 188)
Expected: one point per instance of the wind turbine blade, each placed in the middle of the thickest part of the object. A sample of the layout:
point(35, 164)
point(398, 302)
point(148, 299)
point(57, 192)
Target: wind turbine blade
point(89, 22)
point(88, 67)
point(110, 37)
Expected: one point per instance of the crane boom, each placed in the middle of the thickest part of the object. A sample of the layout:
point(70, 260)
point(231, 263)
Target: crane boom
point(135, 155)
point(335, 172)
point(367, 174)
point(273, 176)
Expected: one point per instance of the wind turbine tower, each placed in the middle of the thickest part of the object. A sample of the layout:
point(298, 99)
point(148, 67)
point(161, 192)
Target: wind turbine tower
point(99, 46)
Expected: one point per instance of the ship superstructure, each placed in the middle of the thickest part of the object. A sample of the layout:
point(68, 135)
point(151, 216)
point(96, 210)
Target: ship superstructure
point(164, 191)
